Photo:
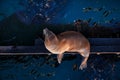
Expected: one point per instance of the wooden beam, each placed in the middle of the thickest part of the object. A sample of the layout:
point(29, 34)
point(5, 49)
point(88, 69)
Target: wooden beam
point(98, 53)
point(98, 46)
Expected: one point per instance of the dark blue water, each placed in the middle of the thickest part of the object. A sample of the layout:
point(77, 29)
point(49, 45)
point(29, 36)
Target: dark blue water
point(62, 12)
point(43, 67)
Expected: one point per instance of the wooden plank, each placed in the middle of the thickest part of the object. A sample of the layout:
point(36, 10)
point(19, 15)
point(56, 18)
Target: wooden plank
point(42, 49)
point(36, 50)
point(98, 46)
point(98, 53)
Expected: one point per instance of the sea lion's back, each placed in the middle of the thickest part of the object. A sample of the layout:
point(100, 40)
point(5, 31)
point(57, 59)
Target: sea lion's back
point(70, 34)
point(74, 39)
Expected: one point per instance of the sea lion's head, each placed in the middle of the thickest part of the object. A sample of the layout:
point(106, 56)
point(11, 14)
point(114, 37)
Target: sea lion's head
point(46, 32)
point(49, 35)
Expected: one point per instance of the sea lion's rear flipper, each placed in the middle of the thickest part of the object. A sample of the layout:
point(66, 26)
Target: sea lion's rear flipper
point(85, 54)
point(59, 58)
point(84, 63)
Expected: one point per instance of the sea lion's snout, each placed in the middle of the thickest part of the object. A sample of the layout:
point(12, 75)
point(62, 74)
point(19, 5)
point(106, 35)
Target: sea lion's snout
point(45, 31)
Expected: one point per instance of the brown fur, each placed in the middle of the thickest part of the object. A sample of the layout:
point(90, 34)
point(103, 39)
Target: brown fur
point(69, 41)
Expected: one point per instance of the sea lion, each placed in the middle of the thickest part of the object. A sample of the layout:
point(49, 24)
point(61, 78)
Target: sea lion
point(69, 41)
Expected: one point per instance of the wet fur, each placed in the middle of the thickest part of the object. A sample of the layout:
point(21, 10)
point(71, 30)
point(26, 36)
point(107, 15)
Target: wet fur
point(69, 41)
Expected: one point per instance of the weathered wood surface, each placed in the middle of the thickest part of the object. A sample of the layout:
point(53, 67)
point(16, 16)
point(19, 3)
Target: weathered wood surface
point(98, 46)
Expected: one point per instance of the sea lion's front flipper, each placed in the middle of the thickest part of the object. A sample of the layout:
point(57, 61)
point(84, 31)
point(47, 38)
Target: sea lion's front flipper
point(59, 58)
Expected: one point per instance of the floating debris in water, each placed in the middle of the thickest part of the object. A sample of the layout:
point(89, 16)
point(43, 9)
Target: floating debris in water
point(100, 9)
point(52, 62)
point(33, 71)
point(50, 74)
point(95, 24)
point(26, 65)
point(106, 13)
point(92, 9)
point(47, 5)
point(87, 9)
point(75, 67)
point(97, 9)
point(89, 20)
point(47, 19)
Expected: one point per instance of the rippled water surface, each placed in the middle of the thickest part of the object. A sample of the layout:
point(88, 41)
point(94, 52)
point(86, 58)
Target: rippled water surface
point(44, 67)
